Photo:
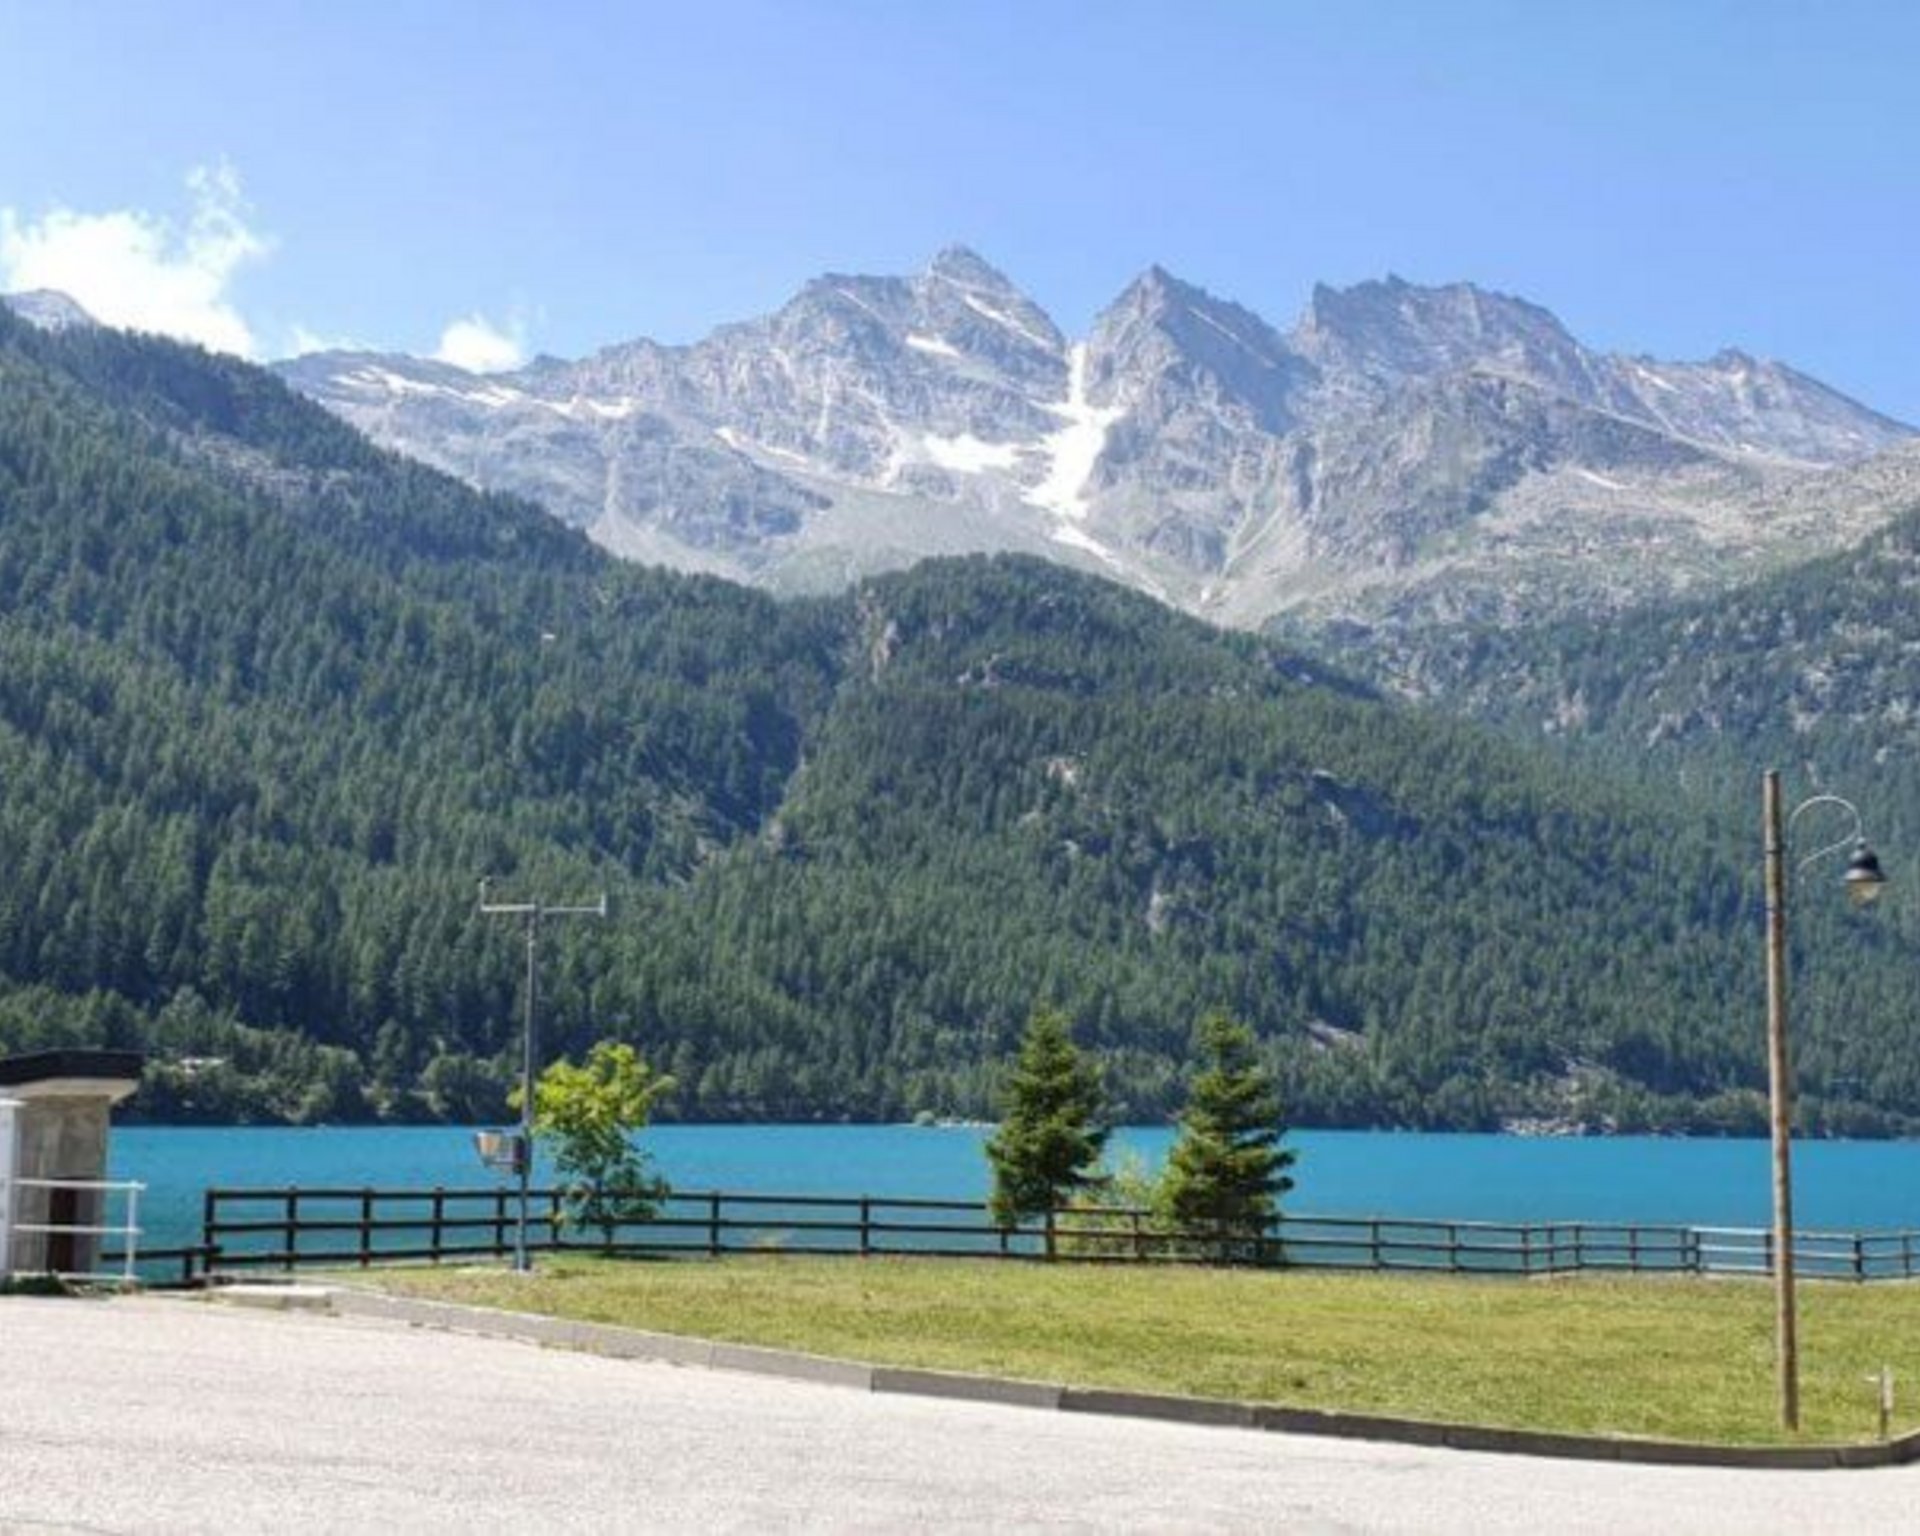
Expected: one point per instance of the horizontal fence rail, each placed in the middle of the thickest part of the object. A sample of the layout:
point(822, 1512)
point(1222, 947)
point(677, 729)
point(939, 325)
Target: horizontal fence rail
point(252, 1229)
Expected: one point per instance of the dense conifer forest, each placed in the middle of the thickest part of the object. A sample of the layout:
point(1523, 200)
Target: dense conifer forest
point(272, 702)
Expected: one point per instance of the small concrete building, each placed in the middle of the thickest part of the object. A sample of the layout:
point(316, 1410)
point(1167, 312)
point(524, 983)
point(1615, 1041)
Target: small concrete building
point(53, 1144)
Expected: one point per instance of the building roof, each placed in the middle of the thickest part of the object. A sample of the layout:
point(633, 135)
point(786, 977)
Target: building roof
point(82, 1066)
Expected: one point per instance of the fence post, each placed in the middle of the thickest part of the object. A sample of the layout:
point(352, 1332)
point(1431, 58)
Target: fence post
point(1859, 1257)
point(500, 1220)
point(1139, 1236)
point(437, 1219)
point(713, 1225)
point(1633, 1250)
point(1052, 1235)
point(1373, 1242)
point(866, 1225)
point(366, 1227)
point(292, 1228)
point(209, 1210)
point(1453, 1246)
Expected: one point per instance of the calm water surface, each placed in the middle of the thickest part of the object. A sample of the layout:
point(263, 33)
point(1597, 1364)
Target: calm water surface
point(1842, 1185)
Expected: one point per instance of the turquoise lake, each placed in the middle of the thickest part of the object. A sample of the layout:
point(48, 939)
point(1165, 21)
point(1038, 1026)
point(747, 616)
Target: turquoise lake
point(1839, 1185)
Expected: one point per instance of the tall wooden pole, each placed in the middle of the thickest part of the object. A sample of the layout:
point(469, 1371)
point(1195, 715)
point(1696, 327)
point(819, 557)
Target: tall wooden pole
point(529, 1070)
point(1780, 1100)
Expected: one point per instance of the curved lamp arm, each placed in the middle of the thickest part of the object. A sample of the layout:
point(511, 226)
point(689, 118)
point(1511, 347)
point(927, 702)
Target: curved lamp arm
point(1854, 839)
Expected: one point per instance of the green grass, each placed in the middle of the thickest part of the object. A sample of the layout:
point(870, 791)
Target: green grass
point(1673, 1357)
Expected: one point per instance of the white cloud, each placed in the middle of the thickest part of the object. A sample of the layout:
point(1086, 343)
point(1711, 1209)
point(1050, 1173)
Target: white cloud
point(476, 344)
point(301, 341)
point(141, 270)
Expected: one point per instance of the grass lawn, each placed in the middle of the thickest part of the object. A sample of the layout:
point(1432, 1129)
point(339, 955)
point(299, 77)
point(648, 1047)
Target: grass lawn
point(1677, 1357)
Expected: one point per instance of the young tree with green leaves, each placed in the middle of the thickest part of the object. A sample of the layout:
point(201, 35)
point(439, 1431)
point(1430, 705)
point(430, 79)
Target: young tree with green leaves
point(590, 1112)
point(1049, 1141)
point(1227, 1170)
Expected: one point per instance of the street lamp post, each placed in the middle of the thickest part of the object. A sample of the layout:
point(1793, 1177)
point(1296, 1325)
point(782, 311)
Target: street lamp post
point(532, 912)
point(1864, 882)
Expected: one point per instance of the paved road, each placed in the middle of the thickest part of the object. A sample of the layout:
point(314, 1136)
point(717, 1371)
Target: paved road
point(155, 1414)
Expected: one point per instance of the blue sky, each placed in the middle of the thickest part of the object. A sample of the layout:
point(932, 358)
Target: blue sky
point(1667, 177)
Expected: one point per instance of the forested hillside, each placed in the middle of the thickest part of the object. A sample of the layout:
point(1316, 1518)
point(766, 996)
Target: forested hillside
point(1046, 787)
point(1816, 670)
point(272, 701)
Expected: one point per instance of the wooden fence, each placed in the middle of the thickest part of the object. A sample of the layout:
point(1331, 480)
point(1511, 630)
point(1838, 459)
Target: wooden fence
point(251, 1229)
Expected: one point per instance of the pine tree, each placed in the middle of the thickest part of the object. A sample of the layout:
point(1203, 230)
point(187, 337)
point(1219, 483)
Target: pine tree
point(1050, 1138)
point(1227, 1170)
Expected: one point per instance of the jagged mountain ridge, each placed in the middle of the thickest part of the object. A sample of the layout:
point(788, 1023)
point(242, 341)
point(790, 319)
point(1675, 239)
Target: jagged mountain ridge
point(1402, 455)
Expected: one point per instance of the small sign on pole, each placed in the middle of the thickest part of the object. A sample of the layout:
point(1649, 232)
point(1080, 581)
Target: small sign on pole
point(502, 1151)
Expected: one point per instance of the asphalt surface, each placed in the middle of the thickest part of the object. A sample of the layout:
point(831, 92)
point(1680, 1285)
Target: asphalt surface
point(151, 1414)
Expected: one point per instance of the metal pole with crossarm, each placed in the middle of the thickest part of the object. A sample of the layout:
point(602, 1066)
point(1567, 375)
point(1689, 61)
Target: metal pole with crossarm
point(532, 912)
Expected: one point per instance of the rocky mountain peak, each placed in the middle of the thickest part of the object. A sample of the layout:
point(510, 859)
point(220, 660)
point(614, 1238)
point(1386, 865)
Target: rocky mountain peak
point(966, 267)
point(1193, 318)
point(1388, 330)
point(963, 301)
point(1162, 326)
point(1154, 292)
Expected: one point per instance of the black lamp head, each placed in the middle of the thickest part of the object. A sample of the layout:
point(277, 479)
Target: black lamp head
point(1863, 879)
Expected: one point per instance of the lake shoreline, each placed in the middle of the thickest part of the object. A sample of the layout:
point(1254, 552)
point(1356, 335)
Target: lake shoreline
point(1444, 1175)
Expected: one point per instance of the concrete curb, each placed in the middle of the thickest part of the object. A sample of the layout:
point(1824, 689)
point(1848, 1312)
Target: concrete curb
point(674, 1349)
point(279, 1298)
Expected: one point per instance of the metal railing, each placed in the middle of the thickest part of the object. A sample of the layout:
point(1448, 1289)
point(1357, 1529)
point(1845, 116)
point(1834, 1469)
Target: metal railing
point(293, 1227)
point(126, 1257)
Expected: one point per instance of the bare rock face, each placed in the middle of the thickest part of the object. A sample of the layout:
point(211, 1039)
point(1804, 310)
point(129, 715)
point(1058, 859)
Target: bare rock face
point(1405, 454)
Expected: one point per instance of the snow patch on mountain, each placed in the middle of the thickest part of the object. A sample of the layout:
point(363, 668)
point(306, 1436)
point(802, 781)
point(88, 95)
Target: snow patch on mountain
point(1073, 451)
point(969, 454)
point(1001, 318)
point(739, 442)
point(396, 383)
point(604, 410)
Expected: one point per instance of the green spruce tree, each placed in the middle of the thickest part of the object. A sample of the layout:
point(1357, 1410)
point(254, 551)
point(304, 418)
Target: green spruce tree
point(1050, 1137)
point(1227, 1170)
